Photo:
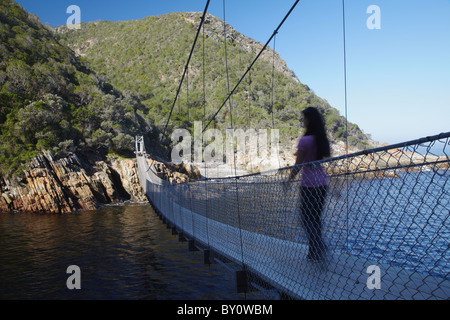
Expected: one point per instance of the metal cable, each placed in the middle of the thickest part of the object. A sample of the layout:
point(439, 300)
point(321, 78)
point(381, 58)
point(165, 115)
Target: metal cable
point(398, 221)
point(232, 134)
point(250, 67)
point(187, 64)
point(345, 88)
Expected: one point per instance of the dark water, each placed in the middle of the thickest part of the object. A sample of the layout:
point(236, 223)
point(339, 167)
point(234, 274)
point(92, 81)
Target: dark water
point(126, 252)
point(123, 252)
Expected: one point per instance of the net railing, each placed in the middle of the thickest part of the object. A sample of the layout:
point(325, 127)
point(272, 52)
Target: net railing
point(383, 231)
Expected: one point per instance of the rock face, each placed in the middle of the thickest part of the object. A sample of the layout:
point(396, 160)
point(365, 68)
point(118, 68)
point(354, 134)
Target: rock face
point(68, 184)
point(175, 173)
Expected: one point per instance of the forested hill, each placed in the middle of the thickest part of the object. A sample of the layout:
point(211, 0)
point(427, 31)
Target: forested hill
point(148, 56)
point(51, 100)
point(92, 90)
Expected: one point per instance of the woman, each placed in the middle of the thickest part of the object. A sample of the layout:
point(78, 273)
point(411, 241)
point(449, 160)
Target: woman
point(313, 146)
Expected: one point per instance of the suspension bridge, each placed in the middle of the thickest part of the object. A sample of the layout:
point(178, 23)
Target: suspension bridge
point(387, 211)
point(385, 222)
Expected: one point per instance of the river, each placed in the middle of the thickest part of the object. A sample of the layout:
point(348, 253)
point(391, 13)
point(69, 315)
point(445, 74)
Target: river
point(123, 252)
point(126, 252)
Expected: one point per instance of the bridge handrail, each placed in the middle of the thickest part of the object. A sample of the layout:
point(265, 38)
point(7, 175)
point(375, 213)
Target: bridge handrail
point(443, 135)
point(386, 208)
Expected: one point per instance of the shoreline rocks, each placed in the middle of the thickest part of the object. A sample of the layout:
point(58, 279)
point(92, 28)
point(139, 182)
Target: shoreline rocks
point(176, 173)
point(68, 184)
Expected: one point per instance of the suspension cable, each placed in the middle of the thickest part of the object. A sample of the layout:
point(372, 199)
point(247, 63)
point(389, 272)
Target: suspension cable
point(273, 94)
point(345, 103)
point(187, 95)
point(187, 64)
point(249, 119)
point(273, 76)
point(251, 65)
point(232, 139)
point(204, 116)
point(228, 81)
point(345, 76)
point(204, 74)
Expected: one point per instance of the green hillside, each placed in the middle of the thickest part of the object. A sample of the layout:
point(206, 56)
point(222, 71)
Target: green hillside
point(148, 56)
point(51, 100)
point(92, 90)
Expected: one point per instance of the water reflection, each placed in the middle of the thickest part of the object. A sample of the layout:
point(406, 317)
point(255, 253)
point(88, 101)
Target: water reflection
point(124, 252)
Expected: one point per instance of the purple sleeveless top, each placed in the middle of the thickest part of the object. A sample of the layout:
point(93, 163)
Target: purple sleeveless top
point(313, 176)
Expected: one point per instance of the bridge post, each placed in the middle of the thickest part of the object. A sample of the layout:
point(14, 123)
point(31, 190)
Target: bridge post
point(241, 281)
point(191, 245)
point(206, 256)
point(140, 147)
point(181, 237)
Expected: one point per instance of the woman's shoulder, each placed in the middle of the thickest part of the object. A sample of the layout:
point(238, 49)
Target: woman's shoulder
point(306, 140)
point(308, 137)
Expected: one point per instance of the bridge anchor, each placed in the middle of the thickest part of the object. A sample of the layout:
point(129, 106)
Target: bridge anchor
point(140, 147)
point(191, 245)
point(181, 237)
point(241, 281)
point(206, 256)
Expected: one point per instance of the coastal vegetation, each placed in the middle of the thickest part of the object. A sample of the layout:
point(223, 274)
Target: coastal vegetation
point(148, 57)
point(93, 90)
point(52, 100)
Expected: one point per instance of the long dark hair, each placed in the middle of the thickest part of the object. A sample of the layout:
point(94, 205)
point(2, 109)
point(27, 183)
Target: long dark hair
point(315, 126)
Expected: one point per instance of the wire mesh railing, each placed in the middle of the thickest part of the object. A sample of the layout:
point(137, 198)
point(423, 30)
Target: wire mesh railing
point(383, 232)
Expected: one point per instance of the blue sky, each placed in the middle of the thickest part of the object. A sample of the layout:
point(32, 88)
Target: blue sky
point(398, 77)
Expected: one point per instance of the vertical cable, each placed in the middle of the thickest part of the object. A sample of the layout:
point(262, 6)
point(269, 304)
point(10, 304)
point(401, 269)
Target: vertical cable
point(249, 91)
point(204, 75)
point(179, 111)
point(273, 94)
point(232, 135)
point(345, 103)
point(204, 117)
point(251, 65)
point(228, 83)
point(249, 119)
point(273, 76)
point(187, 95)
point(345, 76)
point(187, 64)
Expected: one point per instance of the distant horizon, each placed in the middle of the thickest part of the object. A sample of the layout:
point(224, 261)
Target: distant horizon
point(398, 76)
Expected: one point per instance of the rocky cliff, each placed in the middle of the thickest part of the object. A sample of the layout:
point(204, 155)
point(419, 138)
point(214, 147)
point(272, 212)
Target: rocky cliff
point(69, 184)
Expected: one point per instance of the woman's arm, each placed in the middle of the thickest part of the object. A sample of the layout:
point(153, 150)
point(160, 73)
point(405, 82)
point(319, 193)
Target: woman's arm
point(298, 160)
